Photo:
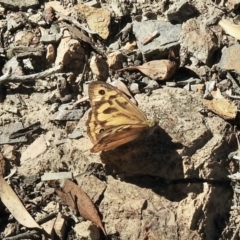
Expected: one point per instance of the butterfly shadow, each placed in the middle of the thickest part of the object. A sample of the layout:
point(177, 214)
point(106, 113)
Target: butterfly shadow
point(152, 163)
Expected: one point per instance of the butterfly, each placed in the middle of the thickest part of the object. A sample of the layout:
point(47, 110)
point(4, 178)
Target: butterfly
point(114, 120)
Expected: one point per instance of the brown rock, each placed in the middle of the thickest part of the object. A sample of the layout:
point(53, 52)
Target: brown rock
point(87, 230)
point(230, 58)
point(198, 40)
point(115, 60)
point(98, 19)
point(69, 51)
point(49, 14)
point(9, 152)
point(24, 38)
point(99, 67)
point(57, 6)
point(130, 46)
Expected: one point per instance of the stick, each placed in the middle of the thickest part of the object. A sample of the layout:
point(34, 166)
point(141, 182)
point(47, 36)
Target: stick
point(8, 77)
point(23, 235)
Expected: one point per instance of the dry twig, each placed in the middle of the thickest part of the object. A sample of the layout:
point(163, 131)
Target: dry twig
point(23, 235)
point(8, 77)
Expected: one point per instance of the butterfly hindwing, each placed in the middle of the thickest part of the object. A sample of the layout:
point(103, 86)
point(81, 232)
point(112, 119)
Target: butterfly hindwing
point(116, 137)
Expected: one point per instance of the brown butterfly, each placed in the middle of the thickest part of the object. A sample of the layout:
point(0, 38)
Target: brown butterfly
point(114, 120)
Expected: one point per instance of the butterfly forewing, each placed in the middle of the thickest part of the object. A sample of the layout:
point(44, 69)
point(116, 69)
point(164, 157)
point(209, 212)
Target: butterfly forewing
point(112, 107)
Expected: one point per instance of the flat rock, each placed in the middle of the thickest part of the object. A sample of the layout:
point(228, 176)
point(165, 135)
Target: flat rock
point(68, 115)
point(20, 3)
point(34, 150)
point(168, 37)
point(15, 21)
point(180, 136)
point(198, 40)
point(147, 207)
point(7, 130)
point(230, 58)
point(24, 38)
point(98, 19)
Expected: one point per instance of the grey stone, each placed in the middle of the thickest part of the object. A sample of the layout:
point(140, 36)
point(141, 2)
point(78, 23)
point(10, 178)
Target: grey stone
point(230, 58)
point(168, 37)
point(68, 115)
point(66, 106)
point(15, 21)
point(7, 130)
point(15, 66)
point(19, 3)
point(181, 11)
point(198, 40)
point(51, 38)
point(76, 134)
point(134, 88)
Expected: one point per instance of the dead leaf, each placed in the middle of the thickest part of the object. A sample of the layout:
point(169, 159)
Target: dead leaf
point(156, 69)
point(84, 204)
point(15, 206)
point(67, 198)
point(230, 28)
point(122, 87)
point(221, 107)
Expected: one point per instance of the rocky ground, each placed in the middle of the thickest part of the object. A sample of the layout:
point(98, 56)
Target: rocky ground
point(180, 62)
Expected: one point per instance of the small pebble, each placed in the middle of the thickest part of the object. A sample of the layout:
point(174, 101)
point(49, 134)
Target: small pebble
point(145, 80)
point(134, 88)
point(124, 64)
point(137, 62)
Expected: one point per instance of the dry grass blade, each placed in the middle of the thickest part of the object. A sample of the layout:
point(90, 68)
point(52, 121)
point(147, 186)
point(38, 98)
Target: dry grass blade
point(156, 69)
point(15, 206)
point(84, 204)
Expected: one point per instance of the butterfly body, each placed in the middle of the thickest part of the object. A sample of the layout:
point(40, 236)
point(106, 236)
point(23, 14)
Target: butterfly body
point(114, 120)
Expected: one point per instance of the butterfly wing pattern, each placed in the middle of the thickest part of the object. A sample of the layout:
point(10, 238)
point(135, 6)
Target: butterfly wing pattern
point(114, 120)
